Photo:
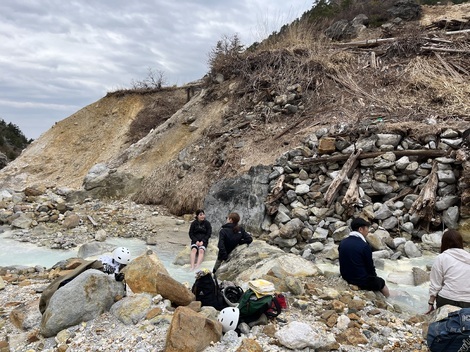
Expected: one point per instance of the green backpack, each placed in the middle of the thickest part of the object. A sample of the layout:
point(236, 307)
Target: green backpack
point(251, 307)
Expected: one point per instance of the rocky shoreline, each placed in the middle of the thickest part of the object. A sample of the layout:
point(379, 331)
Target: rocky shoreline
point(329, 314)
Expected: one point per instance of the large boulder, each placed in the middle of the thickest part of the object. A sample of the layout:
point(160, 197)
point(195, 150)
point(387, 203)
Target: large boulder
point(104, 182)
point(173, 290)
point(244, 194)
point(84, 298)
point(130, 310)
point(241, 264)
point(191, 332)
point(141, 273)
point(90, 249)
point(344, 29)
point(407, 10)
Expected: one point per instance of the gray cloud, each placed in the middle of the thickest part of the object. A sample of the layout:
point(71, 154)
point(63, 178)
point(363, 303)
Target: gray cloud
point(58, 56)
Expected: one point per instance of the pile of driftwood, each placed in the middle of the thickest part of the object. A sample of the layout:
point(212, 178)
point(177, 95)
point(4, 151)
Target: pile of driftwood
point(450, 25)
point(423, 45)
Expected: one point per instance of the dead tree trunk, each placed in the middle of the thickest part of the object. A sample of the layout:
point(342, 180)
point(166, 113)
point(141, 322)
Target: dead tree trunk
point(424, 204)
point(348, 167)
point(271, 200)
point(352, 198)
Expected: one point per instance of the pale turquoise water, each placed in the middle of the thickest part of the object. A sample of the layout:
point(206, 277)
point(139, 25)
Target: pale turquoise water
point(27, 254)
point(412, 298)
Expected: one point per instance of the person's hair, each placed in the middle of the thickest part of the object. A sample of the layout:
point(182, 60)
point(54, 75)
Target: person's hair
point(357, 223)
point(235, 219)
point(199, 211)
point(451, 239)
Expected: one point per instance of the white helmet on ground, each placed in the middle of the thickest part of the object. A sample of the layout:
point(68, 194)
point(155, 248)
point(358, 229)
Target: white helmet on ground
point(228, 317)
point(122, 255)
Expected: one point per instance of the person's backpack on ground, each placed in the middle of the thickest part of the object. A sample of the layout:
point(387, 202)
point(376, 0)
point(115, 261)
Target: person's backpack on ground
point(451, 334)
point(252, 307)
point(207, 291)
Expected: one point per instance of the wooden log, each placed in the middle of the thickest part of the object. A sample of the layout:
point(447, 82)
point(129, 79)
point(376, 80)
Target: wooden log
point(276, 193)
point(348, 167)
point(373, 61)
point(445, 50)
point(430, 153)
point(352, 197)
point(458, 32)
point(438, 40)
point(403, 193)
point(94, 223)
point(424, 204)
point(367, 43)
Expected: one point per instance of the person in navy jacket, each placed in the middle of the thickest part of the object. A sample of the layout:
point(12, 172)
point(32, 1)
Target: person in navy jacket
point(355, 259)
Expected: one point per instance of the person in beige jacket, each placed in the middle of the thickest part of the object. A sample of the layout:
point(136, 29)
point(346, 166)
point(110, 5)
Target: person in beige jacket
point(450, 273)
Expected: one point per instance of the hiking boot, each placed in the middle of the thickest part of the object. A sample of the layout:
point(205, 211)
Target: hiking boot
point(244, 328)
point(262, 320)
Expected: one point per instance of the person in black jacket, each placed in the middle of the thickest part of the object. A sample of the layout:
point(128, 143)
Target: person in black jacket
point(355, 260)
point(199, 232)
point(231, 235)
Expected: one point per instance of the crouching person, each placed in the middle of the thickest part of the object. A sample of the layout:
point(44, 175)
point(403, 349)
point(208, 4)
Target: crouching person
point(113, 265)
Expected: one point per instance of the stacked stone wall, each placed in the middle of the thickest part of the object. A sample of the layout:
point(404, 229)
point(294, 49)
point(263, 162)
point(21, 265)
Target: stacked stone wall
point(389, 185)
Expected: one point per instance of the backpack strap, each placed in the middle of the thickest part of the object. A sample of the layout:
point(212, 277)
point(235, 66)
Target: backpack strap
point(274, 311)
point(217, 288)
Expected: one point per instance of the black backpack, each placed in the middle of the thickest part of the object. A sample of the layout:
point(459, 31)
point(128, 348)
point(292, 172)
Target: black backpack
point(451, 334)
point(206, 289)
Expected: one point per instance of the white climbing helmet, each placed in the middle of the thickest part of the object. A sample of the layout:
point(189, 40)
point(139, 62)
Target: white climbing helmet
point(122, 255)
point(228, 317)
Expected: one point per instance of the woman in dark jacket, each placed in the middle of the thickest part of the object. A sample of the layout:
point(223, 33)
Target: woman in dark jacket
point(231, 235)
point(200, 231)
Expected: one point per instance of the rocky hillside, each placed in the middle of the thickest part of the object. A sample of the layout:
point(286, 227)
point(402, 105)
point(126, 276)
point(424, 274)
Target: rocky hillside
point(411, 76)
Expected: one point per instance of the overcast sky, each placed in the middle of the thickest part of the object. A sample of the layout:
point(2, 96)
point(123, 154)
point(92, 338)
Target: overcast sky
point(58, 56)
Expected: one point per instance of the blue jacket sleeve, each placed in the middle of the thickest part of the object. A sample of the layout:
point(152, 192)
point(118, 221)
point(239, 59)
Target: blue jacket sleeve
point(368, 261)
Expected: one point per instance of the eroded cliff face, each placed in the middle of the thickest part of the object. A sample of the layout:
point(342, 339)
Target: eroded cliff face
point(63, 155)
point(98, 133)
point(178, 159)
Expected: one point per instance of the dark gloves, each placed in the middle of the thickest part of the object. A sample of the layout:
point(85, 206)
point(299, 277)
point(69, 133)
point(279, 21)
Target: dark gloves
point(108, 269)
point(119, 277)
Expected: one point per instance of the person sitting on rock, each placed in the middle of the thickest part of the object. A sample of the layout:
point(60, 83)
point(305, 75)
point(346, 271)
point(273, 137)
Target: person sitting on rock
point(449, 274)
point(113, 265)
point(355, 260)
point(200, 232)
point(230, 236)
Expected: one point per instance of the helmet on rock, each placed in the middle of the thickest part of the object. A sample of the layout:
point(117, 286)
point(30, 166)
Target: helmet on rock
point(228, 317)
point(122, 255)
